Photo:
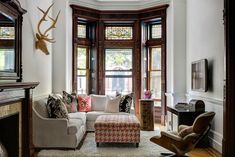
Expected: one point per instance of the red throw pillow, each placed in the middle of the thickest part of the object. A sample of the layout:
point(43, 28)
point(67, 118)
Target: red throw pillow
point(186, 131)
point(84, 103)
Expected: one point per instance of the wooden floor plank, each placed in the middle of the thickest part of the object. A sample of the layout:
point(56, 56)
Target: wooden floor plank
point(204, 152)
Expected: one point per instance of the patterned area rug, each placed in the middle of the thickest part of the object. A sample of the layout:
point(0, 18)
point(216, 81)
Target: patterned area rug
point(89, 149)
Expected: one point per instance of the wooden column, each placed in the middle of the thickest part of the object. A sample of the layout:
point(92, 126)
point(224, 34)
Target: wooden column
point(229, 88)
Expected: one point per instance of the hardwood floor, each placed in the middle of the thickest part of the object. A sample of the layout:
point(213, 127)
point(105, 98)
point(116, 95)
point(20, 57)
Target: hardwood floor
point(204, 152)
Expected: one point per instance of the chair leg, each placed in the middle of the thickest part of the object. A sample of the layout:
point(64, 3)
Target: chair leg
point(172, 155)
point(137, 145)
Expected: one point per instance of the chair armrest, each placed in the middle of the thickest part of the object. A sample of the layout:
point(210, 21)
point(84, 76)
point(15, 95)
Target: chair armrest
point(171, 135)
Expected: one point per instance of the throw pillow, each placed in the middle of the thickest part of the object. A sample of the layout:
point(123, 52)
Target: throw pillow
point(84, 103)
point(125, 103)
point(56, 108)
point(184, 132)
point(70, 102)
point(112, 105)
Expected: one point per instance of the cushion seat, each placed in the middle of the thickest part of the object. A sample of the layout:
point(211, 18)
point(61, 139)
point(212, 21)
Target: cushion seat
point(78, 115)
point(92, 116)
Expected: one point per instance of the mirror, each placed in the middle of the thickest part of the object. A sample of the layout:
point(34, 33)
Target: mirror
point(10, 41)
point(7, 43)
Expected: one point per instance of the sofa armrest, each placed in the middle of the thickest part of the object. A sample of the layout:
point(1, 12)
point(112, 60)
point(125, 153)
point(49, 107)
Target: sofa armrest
point(49, 125)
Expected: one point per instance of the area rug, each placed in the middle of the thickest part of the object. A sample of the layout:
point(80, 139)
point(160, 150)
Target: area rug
point(89, 149)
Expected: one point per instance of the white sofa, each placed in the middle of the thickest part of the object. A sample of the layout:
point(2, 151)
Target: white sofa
point(63, 133)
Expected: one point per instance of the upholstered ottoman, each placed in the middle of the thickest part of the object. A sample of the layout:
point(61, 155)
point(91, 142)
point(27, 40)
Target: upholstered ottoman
point(117, 129)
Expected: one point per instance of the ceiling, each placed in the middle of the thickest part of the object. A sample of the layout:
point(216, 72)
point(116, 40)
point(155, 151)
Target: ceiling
point(119, 4)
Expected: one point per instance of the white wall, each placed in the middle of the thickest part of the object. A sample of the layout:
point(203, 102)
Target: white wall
point(205, 39)
point(176, 52)
point(36, 65)
point(62, 49)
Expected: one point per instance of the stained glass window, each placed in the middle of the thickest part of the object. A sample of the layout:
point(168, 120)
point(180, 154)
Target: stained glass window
point(156, 31)
point(7, 33)
point(118, 33)
point(81, 31)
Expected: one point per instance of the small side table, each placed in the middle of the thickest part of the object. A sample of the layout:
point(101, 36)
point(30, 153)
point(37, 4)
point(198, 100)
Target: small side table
point(146, 114)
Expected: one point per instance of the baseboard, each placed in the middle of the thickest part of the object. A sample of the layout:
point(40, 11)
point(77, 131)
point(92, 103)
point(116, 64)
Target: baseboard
point(215, 139)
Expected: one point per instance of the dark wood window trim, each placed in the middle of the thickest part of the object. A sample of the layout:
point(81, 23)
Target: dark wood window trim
point(103, 18)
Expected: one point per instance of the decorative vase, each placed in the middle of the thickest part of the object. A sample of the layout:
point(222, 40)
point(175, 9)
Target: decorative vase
point(147, 94)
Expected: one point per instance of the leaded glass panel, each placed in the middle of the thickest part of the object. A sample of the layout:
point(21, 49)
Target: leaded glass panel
point(81, 31)
point(156, 31)
point(7, 33)
point(81, 58)
point(156, 59)
point(118, 33)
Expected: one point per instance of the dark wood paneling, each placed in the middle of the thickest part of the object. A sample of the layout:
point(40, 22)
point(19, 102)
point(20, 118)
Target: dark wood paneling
point(229, 89)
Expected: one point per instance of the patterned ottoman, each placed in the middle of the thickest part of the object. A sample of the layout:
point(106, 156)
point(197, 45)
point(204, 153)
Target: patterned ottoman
point(117, 129)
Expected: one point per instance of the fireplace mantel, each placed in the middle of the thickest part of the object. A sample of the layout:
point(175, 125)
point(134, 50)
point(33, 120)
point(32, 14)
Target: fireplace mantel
point(19, 94)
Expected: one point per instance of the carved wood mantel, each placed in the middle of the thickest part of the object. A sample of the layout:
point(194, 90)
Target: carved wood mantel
point(20, 93)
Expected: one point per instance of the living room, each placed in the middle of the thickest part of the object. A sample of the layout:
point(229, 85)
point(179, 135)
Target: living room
point(194, 31)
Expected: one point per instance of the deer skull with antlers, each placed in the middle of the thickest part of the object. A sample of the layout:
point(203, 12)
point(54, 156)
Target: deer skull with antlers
point(42, 38)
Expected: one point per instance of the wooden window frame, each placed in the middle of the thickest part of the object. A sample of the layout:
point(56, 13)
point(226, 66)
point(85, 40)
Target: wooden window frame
point(151, 70)
point(87, 69)
point(98, 43)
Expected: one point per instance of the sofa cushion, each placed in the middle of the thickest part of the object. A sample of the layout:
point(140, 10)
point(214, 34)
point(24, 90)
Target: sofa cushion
point(112, 105)
point(74, 125)
point(56, 108)
point(40, 107)
point(98, 102)
point(70, 102)
point(84, 104)
point(91, 116)
point(125, 103)
point(78, 115)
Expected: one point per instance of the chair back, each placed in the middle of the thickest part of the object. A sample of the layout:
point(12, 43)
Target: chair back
point(202, 122)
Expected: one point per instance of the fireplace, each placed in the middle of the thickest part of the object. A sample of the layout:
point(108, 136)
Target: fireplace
point(16, 118)
point(9, 134)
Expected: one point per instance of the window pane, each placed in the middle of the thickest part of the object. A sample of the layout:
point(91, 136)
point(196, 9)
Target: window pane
point(81, 72)
point(155, 84)
point(119, 73)
point(118, 33)
point(81, 31)
point(81, 85)
point(81, 60)
point(122, 85)
point(156, 31)
point(118, 59)
point(7, 33)
point(156, 59)
point(7, 60)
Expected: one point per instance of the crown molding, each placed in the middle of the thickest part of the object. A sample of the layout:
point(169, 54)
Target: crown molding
point(119, 4)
